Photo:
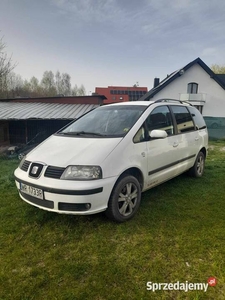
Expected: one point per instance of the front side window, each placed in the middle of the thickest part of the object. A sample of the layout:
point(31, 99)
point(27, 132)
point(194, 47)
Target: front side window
point(183, 119)
point(105, 121)
point(140, 136)
point(192, 88)
point(160, 118)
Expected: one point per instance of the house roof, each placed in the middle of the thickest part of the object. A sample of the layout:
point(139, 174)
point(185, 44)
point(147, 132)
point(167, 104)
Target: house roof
point(42, 111)
point(219, 79)
point(92, 99)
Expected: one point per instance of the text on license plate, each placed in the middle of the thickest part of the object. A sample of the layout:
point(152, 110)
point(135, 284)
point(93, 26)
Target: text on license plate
point(30, 190)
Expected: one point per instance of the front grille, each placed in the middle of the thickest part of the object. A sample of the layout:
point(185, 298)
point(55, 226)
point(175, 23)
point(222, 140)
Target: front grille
point(54, 172)
point(25, 165)
point(35, 170)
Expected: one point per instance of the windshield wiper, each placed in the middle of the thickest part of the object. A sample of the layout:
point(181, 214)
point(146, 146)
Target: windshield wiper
point(82, 133)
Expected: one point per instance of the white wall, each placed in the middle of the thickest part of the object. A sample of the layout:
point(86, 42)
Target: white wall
point(215, 94)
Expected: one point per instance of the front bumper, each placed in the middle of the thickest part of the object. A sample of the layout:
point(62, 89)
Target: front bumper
point(67, 196)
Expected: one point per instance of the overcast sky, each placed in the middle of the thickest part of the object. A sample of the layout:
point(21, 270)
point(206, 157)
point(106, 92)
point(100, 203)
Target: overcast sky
point(112, 42)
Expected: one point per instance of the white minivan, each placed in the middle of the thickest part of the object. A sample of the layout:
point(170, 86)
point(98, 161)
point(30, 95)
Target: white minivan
point(104, 160)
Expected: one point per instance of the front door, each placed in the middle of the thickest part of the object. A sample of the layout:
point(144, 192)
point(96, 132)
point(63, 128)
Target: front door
point(161, 152)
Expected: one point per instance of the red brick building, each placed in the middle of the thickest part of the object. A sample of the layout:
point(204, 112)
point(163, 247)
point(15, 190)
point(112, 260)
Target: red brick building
point(120, 93)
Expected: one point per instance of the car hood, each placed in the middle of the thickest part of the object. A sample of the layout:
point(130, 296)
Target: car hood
point(63, 151)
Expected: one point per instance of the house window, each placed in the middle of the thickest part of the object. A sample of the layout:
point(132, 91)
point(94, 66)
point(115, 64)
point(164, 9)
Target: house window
point(192, 88)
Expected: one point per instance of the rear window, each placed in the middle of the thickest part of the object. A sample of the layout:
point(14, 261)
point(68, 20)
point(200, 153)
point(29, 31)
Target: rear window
point(197, 117)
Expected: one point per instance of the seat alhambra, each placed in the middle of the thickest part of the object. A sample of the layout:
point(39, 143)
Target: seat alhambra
point(104, 160)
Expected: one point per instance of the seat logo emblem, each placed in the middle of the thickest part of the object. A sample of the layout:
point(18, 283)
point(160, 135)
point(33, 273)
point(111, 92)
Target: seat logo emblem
point(34, 170)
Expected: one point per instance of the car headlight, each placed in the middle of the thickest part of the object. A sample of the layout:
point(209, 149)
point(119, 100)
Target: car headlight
point(82, 173)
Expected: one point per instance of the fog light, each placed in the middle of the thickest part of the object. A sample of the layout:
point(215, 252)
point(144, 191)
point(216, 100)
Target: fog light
point(87, 205)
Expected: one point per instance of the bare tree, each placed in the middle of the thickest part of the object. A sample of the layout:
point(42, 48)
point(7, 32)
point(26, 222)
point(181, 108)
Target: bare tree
point(62, 82)
point(58, 79)
point(12, 85)
point(15, 85)
point(6, 66)
point(66, 84)
point(74, 90)
point(48, 83)
point(78, 91)
point(82, 91)
point(35, 88)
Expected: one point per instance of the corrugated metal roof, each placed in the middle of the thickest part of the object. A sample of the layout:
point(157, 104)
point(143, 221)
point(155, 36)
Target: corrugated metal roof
point(24, 111)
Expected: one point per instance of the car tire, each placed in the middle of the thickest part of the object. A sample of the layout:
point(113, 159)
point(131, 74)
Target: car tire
point(124, 200)
point(198, 169)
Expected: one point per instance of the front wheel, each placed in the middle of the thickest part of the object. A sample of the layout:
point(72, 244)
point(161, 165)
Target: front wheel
point(198, 169)
point(124, 200)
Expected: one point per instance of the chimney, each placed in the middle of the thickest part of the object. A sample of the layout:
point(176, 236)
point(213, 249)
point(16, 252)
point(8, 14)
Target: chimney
point(156, 82)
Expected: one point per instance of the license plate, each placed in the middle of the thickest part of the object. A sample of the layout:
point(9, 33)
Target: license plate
point(32, 191)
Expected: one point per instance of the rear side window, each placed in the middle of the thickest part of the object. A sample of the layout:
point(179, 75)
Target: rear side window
point(183, 119)
point(198, 119)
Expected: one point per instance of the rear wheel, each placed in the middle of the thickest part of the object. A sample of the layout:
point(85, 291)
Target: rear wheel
point(124, 200)
point(198, 169)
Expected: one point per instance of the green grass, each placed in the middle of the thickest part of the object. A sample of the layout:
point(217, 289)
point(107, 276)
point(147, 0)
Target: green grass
point(177, 235)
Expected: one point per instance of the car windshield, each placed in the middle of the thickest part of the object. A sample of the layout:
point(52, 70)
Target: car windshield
point(105, 121)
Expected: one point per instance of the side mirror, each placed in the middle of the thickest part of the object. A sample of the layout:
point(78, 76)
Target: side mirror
point(158, 134)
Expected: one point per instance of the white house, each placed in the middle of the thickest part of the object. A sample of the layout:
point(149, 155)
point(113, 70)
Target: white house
point(198, 84)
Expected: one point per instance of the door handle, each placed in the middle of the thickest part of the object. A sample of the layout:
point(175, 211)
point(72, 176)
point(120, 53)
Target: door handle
point(143, 154)
point(175, 144)
point(197, 138)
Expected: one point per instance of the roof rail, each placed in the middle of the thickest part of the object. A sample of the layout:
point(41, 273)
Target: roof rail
point(173, 100)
